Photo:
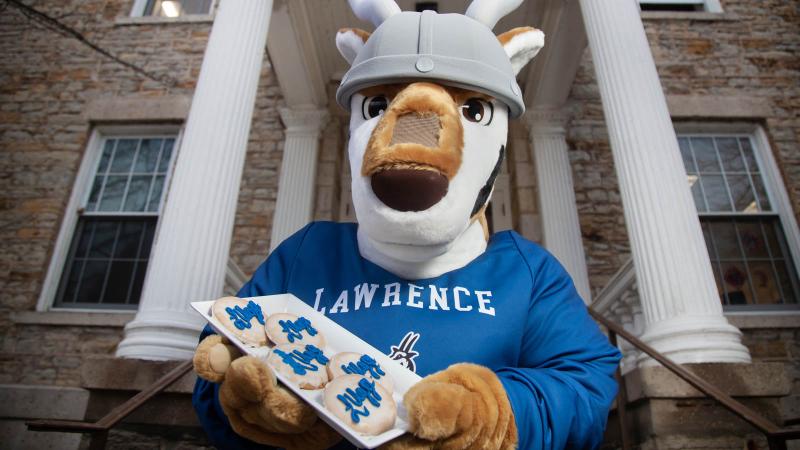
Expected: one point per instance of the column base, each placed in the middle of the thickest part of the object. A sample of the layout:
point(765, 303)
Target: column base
point(695, 339)
point(161, 335)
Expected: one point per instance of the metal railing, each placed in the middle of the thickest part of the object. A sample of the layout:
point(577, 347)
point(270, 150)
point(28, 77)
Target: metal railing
point(776, 436)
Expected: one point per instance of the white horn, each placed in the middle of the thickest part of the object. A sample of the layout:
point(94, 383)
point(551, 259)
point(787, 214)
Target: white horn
point(375, 11)
point(489, 12)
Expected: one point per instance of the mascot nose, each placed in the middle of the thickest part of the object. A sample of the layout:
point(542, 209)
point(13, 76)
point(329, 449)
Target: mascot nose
point(409, 189)
point(417, 128)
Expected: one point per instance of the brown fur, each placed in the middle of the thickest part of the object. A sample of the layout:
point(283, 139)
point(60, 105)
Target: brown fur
point(510, 34)
point(421, 97)
point(462, 407)
point(257, 407)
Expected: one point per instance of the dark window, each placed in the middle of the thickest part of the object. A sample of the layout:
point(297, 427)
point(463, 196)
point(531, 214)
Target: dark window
point(422, 6)
point(176, 8)
point(111, 245)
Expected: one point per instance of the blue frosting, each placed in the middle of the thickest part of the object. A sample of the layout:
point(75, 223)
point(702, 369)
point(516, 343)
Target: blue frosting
point(302, 362)
point(354, 399)
point(294, 329)
point(241, 317)
point(365, 364)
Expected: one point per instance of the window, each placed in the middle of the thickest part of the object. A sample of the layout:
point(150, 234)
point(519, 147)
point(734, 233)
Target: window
point(680, 5)
point(117, 206)
point(171, 8)
point(744, 232)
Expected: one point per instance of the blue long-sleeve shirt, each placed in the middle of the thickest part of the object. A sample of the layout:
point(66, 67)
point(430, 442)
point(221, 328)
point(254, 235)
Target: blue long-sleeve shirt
point(513, 309)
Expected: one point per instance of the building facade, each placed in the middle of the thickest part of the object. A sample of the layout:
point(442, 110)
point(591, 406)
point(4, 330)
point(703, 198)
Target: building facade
point(153, 152)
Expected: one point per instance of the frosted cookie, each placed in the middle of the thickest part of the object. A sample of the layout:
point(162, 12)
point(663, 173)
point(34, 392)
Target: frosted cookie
point(243, 318)
point(303, 365)
point(362, 404)
point(357, 364)
point(285, 328)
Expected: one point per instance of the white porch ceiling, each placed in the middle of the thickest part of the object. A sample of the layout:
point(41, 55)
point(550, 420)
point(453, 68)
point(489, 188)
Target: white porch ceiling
point(305, 59)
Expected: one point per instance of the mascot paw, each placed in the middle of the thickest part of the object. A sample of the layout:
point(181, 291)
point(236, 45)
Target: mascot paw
point(257, 407)
point(462, 407)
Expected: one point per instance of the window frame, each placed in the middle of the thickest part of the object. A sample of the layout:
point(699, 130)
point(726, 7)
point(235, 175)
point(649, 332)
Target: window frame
point(139, 7)
point(81, 189)
point(711, 6)
point(773, 183)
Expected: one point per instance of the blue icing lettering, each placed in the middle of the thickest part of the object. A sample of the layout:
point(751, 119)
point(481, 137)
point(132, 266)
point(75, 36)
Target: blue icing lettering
point(294, 329)
point(354, 399)
point(241, 317)
point(364, 365)
point(302, 362)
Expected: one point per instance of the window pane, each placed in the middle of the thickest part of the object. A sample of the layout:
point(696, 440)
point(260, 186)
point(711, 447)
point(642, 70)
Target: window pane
point(148, 155)
point(123, 157)
point(752, 239)
point(716, 193)
point(697, 193)
point(764, 283)
point(166, 155)
point(686, 154)
point(729, 153)
point(138, 281)
point(725, 240)
point(137, 193)
point(155, 195)
point(734, 275)
point(758, 183)
point(129, 238)
point(108, 149)
point(788, 282)
point(71, 285)
point(85, 238)
point(715, 269)
point(94, 274)
point(112, 195)
point(196, 6)
point(705, 155)
point(147, 242)
point(747, 150)
point(742, 193)
point(119, 280)
point(103, 240)
point(97, 186)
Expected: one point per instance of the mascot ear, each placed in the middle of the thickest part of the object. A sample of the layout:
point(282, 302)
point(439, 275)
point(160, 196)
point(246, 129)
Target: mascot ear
point(349, 41)
point(521, 45)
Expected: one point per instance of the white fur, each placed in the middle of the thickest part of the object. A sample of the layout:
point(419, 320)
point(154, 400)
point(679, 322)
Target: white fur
point(523, 47)
point(374, 11)
point(412, 237)
point(349, 44)
point(489, 12)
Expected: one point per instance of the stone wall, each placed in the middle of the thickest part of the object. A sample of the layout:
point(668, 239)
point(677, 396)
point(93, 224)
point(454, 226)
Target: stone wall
point(47, 84)
point(749, 50)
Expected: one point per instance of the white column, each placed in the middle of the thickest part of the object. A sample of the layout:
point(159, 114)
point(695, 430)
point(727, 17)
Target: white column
point(192, 243)
point(683, 315)
point(558, 210)
point(295, 205)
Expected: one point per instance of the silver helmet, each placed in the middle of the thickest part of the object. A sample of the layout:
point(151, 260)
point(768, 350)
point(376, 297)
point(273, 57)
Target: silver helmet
point(453, 49)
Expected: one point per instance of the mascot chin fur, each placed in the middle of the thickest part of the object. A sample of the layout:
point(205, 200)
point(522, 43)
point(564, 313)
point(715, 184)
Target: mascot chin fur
point(510, 356)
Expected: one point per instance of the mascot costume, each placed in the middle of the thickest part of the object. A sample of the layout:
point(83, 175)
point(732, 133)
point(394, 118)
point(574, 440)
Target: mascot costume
point(510, 357)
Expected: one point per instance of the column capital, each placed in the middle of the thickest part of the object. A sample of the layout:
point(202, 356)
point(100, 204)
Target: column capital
point(546, 121)
point(304, 121)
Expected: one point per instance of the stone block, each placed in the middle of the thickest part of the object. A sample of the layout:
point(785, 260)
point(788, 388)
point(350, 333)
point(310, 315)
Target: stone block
point(108, 373)
point(42, 402)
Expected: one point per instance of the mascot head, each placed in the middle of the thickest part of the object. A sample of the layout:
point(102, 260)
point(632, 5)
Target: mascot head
point(429, 97)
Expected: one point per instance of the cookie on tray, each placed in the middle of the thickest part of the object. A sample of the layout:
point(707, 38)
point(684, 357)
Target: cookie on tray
point(361, 403)
point(301, 364)
point(285, 328)
point(350, 363)
point(243, 317)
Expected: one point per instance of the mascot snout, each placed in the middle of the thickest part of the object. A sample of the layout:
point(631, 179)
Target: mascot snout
point(415, 150)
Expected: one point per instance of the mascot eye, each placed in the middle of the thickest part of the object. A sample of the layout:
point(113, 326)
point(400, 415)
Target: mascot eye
point(374, 106)
point(478, 111)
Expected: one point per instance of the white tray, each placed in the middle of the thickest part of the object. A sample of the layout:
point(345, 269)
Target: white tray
point(337, 339)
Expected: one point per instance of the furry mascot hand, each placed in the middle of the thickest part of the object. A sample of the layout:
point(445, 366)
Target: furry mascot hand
point(462, 407)
point(257, 407)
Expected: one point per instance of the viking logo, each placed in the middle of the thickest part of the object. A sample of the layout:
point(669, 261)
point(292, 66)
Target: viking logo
point(404, 353)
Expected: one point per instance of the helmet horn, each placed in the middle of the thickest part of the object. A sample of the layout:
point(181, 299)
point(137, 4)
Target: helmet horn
point(489, 12)
point(375, 11)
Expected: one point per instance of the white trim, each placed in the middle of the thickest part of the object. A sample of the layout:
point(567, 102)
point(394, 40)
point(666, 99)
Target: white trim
point(770, 174)
point(80, 194)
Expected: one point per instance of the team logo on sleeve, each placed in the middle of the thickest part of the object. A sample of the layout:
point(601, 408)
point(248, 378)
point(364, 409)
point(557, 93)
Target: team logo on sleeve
point(404, 353)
